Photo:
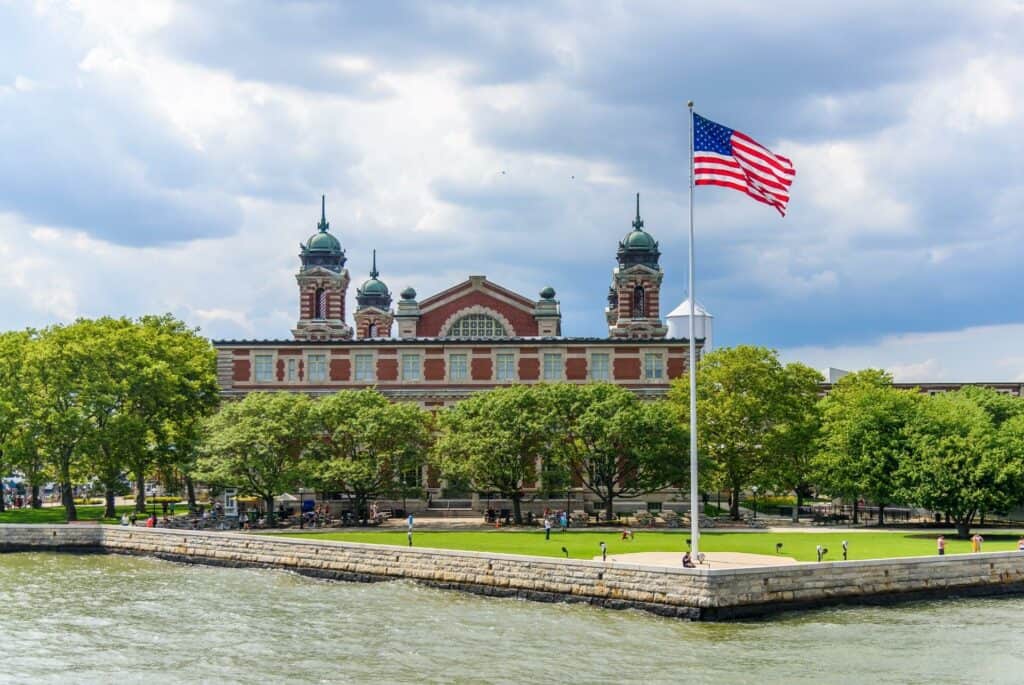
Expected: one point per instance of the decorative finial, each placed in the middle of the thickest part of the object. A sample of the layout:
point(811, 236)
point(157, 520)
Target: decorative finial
point(638, 223)
point(323, 225)
point(373, 269)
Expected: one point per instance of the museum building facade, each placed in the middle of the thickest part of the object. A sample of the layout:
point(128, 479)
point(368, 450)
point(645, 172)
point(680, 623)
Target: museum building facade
point(472, 336)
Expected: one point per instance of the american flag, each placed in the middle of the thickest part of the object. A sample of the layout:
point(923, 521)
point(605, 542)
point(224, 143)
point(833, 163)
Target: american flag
point(724, 157)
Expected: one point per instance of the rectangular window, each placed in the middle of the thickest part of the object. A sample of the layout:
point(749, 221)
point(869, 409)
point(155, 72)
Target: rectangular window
point(553, 366)
point(653, 367)
point(364, 368)
point(264, 368)
point(506, 366)
point(292, 364)
point(410, 367)
point(599, 367)
point(458, 367)
point(317, 368)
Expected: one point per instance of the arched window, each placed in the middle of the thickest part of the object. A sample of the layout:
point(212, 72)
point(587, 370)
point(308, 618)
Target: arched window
point(476, 326)
point(639, 303)
point(320, 304)
point(371, 330)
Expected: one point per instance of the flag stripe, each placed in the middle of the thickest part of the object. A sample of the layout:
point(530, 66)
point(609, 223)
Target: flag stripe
point(730, 159)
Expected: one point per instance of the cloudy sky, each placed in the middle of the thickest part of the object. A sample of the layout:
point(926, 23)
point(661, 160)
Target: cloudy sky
point(165, 156)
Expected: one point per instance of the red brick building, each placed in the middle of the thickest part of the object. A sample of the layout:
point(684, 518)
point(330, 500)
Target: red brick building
point(472, 336)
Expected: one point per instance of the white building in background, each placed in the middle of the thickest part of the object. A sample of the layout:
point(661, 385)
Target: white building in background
point(832, 374)
point(679, 323)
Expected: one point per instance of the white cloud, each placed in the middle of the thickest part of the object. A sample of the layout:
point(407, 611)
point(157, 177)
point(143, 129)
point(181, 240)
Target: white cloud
point(981, 353)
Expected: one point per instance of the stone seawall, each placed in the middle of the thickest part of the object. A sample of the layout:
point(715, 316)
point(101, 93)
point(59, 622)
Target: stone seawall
point(707, 594)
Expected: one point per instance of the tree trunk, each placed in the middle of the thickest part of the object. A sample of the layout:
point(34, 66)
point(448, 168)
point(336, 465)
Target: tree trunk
point(268, 501)
point(963, 529)
point(110, 511)
point(3, 499)
point(37, 501)
point(140, 491)
point(190, 487)
point(881, 514)
point(856, 507)
point(517, 508)
point(734, 503)
point(67, 495)
point(609, 510)
point(799, 503)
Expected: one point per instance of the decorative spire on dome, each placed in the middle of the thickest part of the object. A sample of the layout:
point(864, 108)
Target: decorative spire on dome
point(638, 223)
point(374, 292)
point(323, 226)
point(639, 246)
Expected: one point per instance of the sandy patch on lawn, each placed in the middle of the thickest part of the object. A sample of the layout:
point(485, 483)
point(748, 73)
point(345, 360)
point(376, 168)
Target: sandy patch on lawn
point(711, 559)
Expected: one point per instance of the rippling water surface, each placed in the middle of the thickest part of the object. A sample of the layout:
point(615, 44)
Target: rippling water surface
point(84, 619)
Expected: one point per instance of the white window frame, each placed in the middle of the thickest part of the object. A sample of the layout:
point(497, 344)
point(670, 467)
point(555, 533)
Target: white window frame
point(497, 366)
point(293, 369)
point(407, 376)
point(371, 369)
point(654, 372)
point(465, 360)
point(321, 372)
point(556, 375)
point(475, 322)
point(256, 375)
point(607, 366)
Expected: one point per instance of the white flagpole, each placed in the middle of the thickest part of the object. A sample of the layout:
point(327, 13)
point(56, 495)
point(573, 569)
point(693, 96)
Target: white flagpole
point(694, 492)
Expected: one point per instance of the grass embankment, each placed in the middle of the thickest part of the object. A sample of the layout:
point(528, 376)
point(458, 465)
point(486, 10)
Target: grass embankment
point(85, 513)
point(586, 545)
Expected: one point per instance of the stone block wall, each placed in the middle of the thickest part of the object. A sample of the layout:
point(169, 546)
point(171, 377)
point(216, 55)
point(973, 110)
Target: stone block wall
point(710, 594)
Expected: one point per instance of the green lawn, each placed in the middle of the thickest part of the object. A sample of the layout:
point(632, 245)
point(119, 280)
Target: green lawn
point(86, 512)
point(585, 545)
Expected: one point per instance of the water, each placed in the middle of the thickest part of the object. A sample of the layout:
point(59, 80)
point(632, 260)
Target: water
point(91, 619)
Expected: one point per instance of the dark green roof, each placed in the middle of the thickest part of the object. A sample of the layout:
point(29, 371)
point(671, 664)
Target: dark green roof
point(374, 286)
point(323, 242)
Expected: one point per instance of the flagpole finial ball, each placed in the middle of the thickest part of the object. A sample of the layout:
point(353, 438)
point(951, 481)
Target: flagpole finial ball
point(689, 103)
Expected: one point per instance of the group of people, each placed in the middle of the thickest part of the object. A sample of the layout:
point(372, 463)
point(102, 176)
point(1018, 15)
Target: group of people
point(976, 542)
point(132, 519)
point(550, 517)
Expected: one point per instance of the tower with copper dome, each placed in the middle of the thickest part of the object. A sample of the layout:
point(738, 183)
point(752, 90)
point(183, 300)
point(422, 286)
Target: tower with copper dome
point(373, 307)
point(634, 295)
point(323, 282)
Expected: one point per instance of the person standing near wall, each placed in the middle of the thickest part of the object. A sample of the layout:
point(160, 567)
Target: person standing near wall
point(940, 545)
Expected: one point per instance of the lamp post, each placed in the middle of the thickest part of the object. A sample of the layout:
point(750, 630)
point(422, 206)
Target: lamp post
point(754, 490)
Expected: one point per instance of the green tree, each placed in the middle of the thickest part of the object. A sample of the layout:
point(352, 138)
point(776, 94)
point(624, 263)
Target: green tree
point(795, 443)
point(366, 445)
point(173, 386)
point(13, 397)
point(61, 367)
point(864, 437)
point(958, 464)
point(493, 440)
point(256, 444)
point(615, 444)
point(741, 406)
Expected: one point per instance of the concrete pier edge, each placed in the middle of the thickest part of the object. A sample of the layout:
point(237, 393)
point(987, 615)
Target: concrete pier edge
point(695, 594)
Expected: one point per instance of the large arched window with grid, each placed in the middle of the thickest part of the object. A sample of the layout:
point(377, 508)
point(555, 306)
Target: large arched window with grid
point(476, 326)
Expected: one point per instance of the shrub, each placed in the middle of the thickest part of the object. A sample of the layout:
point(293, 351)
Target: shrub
point(644, 517)
point(670, 517)
point(163, 500)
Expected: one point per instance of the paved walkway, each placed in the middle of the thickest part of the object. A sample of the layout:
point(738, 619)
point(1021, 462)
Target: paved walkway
point(711, 559)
